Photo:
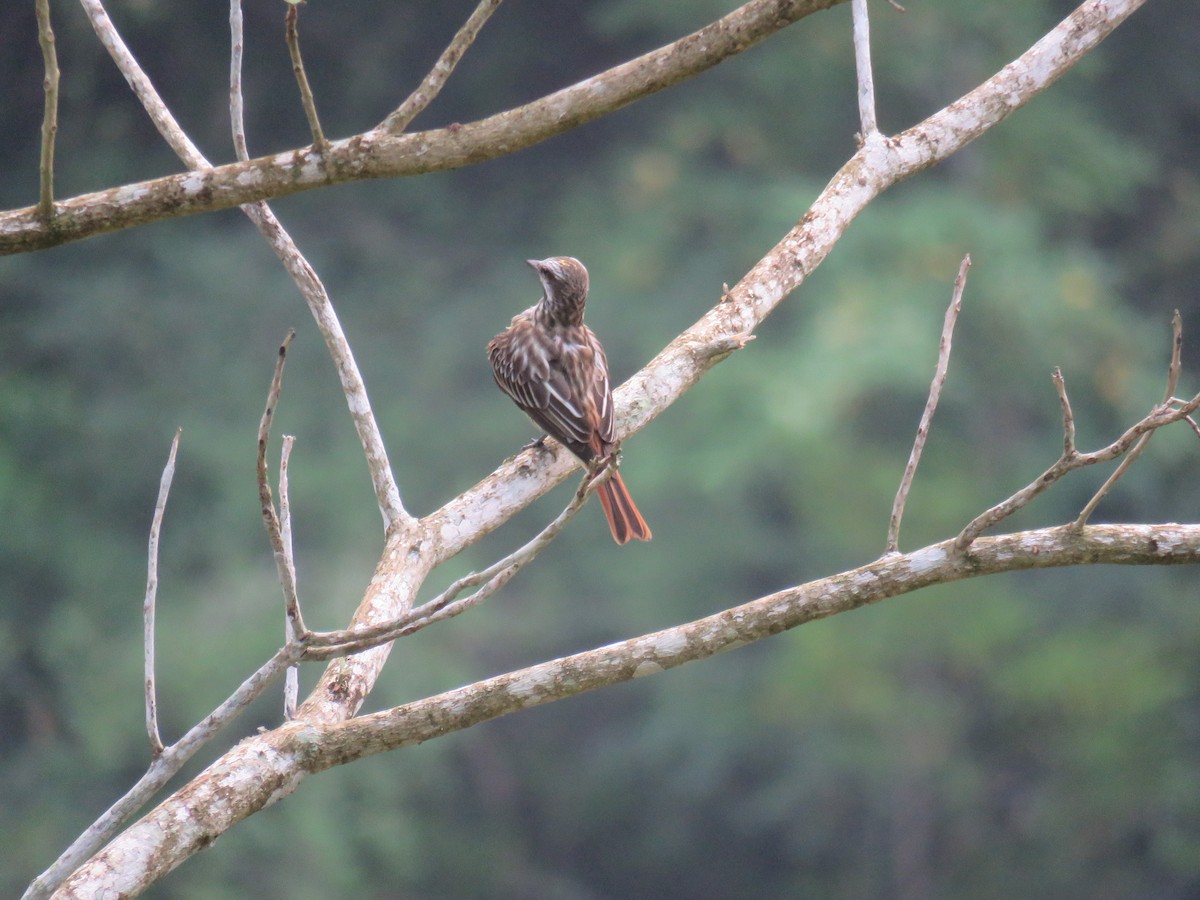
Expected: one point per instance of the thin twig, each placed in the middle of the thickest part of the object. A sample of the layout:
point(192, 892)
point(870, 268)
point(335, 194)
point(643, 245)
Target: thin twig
point(287, 575)
point(935, 393)
point(1192, 422)
point(1068, 417)
point(306, 94)
point(291, 682)
point(329, 644)
point(433, 83)
point(862, 63)
point(1173, 371)
point(148, 605)
point(237, 103)
point(50, 110)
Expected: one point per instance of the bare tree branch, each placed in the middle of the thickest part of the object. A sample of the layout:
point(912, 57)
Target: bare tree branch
point(387, 493)
point(45, 205)
point(1173, 371)
point(862, 62)
point(433, 83)
point(293, 628)
point(306, 94)
point(522, 479)
point(274, 763)
point(330, 644)
point(148, 605)
point(1071, 460)
point(785, 267)
point(287, 574)
point(378, 154)
point(1068, 417)
point(267, 766)
point(161, 770)
point(143, 89)
point(935, 393)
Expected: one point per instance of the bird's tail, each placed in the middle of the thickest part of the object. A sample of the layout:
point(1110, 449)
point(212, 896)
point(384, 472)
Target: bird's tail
point(624, 520)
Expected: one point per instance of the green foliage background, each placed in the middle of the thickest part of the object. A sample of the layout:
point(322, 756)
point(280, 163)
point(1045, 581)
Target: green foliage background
point(1035, 735)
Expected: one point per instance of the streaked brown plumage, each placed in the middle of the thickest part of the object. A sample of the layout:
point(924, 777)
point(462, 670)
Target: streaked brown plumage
point(553, 367)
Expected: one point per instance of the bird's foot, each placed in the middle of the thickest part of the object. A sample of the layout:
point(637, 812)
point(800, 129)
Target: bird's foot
point(538, 444)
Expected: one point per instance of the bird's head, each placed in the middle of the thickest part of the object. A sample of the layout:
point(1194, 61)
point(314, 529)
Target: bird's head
point(565, 287)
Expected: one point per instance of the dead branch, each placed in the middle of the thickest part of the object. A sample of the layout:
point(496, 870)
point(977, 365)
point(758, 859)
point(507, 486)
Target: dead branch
point(1071, 459)
point(408, 558)
point(287, 574)
point(433, 83)
point(45, 205)
point(331, 644)
point(161, 770)
point(785, 267)
point(306, 95)
point(935, 393)
point(293, 629)
point(1173, 371)
point(869, 129)
point(378, 154)
point(277, 761)
point(148, 605)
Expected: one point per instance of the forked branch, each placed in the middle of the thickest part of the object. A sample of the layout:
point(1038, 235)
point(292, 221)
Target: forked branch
point(286, 572)
point(1169, 411)
point(1173, 372)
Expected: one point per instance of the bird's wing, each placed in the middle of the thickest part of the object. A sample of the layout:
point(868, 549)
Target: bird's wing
point(602, 394)
point(547, 379)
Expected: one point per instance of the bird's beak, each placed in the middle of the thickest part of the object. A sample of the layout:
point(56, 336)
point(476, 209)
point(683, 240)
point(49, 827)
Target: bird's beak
point(535, 264)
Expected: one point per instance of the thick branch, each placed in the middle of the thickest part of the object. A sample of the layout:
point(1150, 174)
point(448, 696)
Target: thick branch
point(729, 324)
point(263, 768)
point(377, 154)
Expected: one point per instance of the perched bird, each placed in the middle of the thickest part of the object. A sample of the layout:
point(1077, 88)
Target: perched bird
point(553, 367)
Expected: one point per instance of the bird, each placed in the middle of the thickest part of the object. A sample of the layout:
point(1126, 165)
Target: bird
point(553, 367)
